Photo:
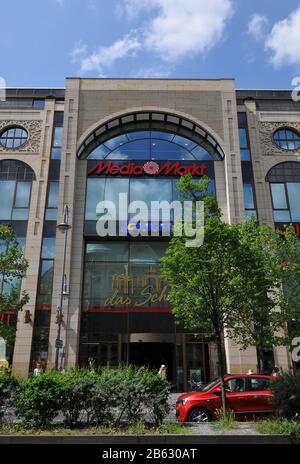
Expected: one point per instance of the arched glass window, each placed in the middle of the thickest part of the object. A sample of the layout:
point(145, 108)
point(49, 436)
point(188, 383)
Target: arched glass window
point(13, 137)
point(15, 187)
point(150, 145)
point(287, 139)
point(285, 190)
point(150, 135)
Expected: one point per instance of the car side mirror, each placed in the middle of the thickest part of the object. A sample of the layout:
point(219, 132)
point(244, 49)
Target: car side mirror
point(217, 391)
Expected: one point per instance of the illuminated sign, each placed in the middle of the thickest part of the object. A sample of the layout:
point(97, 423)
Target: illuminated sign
point(137, 290)
point(150, 168)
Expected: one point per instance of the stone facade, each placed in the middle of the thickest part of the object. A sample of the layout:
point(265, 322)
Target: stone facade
point(90, 103)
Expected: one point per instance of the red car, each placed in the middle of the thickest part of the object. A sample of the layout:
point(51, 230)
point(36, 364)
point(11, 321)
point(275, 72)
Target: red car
point(246, 395)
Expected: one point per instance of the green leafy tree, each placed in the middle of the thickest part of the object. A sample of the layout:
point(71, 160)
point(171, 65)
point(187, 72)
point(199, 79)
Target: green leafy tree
point(265, 318)
point(232, 283)
point(12, 268)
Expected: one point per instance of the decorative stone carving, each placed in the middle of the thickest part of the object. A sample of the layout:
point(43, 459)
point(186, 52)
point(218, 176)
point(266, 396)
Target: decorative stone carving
point(32, 145)
point(266, 131)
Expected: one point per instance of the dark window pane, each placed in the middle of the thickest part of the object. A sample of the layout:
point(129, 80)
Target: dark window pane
point(162, 149)
point(201, 154)
point(139, 149)
point(46, 279)
point(114, 252)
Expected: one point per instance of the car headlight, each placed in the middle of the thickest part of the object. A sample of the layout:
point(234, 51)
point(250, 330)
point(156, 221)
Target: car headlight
point(183, 402)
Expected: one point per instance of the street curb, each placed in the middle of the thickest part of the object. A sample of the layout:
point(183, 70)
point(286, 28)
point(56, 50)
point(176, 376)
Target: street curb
point(148, 440)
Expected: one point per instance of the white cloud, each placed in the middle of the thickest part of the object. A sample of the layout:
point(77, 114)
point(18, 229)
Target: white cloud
point(284, 39)
point(257, 26)
point(181, 28)
point(104, 57)
point(78, 51)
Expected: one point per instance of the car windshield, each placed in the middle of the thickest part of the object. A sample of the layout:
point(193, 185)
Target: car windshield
point(210, 385)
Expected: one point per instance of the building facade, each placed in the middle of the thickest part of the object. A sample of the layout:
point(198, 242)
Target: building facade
point(101, 137)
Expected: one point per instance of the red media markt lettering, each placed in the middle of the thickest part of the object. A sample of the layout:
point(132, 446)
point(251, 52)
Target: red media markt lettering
point(150, 168)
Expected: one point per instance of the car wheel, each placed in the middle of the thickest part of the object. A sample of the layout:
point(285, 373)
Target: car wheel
point(199, 415)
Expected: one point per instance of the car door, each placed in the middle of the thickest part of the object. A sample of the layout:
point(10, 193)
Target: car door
point(237, 398)
point(260, 395)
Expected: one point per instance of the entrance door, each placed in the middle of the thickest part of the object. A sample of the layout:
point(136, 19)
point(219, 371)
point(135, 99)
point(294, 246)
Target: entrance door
point(153, 355)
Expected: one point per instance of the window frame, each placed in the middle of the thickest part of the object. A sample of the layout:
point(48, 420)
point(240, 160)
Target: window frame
point(278, 142)
point(254, 209)
point(14, 207)
point(6, 129)
point(288, 209)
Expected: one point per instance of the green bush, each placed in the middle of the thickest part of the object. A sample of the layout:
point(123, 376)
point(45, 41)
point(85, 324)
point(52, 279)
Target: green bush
point(76, 387)
point(39, 399)
point(128, 395)
point(287, 395)
point(125, 395)
point(8, 385)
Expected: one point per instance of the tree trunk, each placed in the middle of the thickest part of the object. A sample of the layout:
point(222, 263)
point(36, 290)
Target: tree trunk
point(221, 371)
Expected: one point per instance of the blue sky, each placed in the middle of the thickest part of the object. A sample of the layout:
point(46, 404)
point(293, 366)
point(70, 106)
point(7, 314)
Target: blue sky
point(255, 41)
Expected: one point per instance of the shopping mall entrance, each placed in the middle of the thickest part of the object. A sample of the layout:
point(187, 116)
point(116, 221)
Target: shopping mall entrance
point(153, 355)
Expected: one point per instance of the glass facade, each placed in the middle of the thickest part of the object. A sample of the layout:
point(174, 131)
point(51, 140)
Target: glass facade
point(126, 317)
point(123, 274)
point(150, 145)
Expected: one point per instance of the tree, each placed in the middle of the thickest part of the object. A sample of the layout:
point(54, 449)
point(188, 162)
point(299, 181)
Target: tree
point(12, 268)
point(275, 278)
point(231, 283)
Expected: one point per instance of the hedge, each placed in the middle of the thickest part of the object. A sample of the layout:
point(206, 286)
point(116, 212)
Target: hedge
point(107, 396)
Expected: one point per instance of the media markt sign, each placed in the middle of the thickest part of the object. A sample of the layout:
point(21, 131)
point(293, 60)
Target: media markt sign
point(148, 168)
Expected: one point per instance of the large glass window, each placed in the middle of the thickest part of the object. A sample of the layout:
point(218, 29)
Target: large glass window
point(152, 145)
point(286, 204)
point(123, 274)
point(17, 199)
point(147, 190)
point(287, 139)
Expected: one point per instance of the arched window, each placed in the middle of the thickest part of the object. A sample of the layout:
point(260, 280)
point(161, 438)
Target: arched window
point(15, 187)
point(150, 136)
point(284, 179)
point(150, 145)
